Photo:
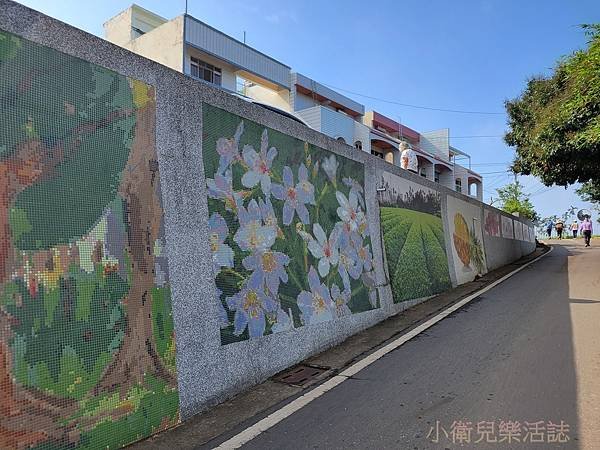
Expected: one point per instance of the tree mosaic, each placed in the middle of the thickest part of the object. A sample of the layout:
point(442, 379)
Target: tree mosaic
point(288, 230)
point(413, 235)
point(87, 350)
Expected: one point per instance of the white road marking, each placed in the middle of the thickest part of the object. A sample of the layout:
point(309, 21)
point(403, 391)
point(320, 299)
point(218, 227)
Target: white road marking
point(274, 418)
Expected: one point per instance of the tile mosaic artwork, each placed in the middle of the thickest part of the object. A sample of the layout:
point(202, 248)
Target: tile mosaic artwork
point(413, 235)
point(468, 253)
point(288, 230)
point(87, 347)
point(491, 223)
point(518, 230)
point(507, 227)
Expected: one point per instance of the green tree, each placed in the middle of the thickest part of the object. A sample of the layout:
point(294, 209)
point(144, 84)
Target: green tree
point(555, 123)
point(514, 200)
point(70, 136)
point(590, 192)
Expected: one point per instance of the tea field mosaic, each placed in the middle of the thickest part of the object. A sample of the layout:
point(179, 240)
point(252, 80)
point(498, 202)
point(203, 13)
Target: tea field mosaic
point(413, 235)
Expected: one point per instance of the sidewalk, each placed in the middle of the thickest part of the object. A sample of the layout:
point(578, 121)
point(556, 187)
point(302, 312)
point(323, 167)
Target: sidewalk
point(264, 398)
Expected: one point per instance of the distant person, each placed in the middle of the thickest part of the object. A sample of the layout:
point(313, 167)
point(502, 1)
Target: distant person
point(586, 230)
point(575, 228)
point(549, 226)
point(559, 228)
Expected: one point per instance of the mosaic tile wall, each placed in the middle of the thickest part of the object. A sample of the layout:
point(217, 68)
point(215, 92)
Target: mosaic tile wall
point(87, 347)
point(413, 235)
point(465, 230)
point(288, 230)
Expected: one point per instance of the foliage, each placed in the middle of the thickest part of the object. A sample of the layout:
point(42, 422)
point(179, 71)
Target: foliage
point(415, 253)
point(590, 192)
point(468, 245)
point(144, 410)
point(289, 235)
point(514, 199)
point(424, 200)
point(71, 304)
point(52, 111)
point(163, 326)
point(569, 213)
point(49, 324)
point(555, 123)
point(476, 251)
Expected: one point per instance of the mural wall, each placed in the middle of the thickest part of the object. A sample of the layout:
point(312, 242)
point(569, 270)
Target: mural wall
point(464, 220)
point(507, 227)
point(491, 223)
point(415, 248)
point(288, 229)
point(87, 350)
point(518, 230)
point(531, 234)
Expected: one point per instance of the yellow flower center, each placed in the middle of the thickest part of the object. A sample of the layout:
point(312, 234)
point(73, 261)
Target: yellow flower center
point(318, 303)
point(362, 227)
point(254, 238)
point(269, 262)
point(344, 260)
point(214, 242)
point(251, 304)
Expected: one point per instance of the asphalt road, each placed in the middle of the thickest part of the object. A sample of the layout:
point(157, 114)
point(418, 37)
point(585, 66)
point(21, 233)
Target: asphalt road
point(525, 351)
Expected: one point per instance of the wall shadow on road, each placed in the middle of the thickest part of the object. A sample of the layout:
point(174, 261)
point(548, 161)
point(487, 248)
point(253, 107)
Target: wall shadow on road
point(560, 386)
point(583, 284)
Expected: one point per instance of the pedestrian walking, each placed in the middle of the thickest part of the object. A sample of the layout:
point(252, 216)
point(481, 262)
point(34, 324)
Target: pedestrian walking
point(575, 228)
point(549, 226)
point(559, 228)
point(586, 230)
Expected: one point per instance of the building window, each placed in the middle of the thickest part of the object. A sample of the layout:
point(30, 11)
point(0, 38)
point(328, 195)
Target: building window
point(423, 172)
point(376, 153)
point(458, 185)
point(436, 176)
point(341, 139)
point(473, 188)
point(358, 145)
point(137, 32)
point(205, 71)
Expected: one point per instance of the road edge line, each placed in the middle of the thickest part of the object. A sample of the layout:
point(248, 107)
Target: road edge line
point(287, 410)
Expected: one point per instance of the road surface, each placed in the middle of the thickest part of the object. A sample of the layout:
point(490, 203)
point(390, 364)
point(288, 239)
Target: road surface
point(525, 351)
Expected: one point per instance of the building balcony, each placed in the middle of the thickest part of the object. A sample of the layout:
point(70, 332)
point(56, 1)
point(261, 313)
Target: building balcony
point(332, 123)
point(390, 127)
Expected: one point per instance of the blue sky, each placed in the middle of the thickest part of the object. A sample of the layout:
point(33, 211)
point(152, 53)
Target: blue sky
point(467, 55)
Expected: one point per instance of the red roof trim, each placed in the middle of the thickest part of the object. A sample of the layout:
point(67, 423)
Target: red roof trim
point(394, 127)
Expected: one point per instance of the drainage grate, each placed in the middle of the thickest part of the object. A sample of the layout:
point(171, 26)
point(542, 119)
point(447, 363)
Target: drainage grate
point(301, 375)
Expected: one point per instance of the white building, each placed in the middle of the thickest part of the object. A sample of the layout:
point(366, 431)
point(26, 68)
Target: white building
point(189, 45)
